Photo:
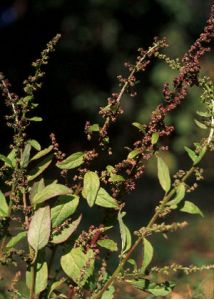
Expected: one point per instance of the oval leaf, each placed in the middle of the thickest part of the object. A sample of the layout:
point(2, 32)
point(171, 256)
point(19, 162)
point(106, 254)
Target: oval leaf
point(191, 208)
point(66, 232)
point(108, 244)
point(163, 175)
point(50, 191)
point(64, 207)
point(78, 265)
point(180, 194)
point(124, 233)
point(155, 137)
point(91, 184)
point(147, 254)
point(6, 160)
point(191, 154)
point(72, 161)
point(42, 153)
point(36, 145)
point(4, 208)
point(105, 200)
point(25, 156)
point(39, 229)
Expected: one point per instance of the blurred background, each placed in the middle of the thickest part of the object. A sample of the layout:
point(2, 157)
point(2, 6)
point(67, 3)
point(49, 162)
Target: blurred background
point(98, 36)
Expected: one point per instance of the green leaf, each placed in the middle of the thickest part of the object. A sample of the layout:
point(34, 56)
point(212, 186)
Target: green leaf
point(6, 160)
point(116, 178)
point(105, 200)
point(204, 114)
point(94, 127)
point(132, 262)
point(42, 153)
point(160, 290)
point(139, 126)
point(79, 266)
point(91, 184)
point(163, 175)
point(35, 119)
point(36, 145)
point(4, 208)
point(153, 288)
point(25, 157)
point(108, 244)
point(39, 229)
point(66, 232)
point(191, 154)
point(40, 168)
point(191, 208)
point(41, 274)
point(124, 233)
point(200, 156)
point(200, 125)
point(36, 187)
point(63, 208)
point(55, 285)
point(133, 153)
point(147, 254)
point(180, 194)
point(155, 137)
point(16, 239)
point(12, 157)
point(72, 161)
point(52, 190)
point(109, 293)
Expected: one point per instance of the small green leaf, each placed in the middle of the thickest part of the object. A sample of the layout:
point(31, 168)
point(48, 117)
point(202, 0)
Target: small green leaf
point(42, 153)
point(155, 137)
point(180, 194)
point(78, 265)
point(147, 254)
point(94, 127)
point(191, 208)
point(124, 233)
point(55, 285)
point(191, 154)
point(201, 155)
point(12, 157)
point(72, 161)
point(133, 153)
point(91, 184)
point(66, 232)
point(204, 114)
point(132, 262)
point(35, 119)
point(40, 168)
point(109, 293)
point(16, 239)
point(4, 208)
point(139, 126)
point(110, 168)
point(158, 290)
point(64, 207)
point(25, 157)
point(41, 274)
point(39, 229)
point(6, 160)
point(105, 200)
point(163, 175)
point(200, 125)
point(36, 145)
point(108, 244)
point(116, 178)
point(52, 190)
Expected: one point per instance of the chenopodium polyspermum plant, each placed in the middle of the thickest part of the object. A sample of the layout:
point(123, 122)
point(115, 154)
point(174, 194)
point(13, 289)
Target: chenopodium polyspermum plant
point(41, 222)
